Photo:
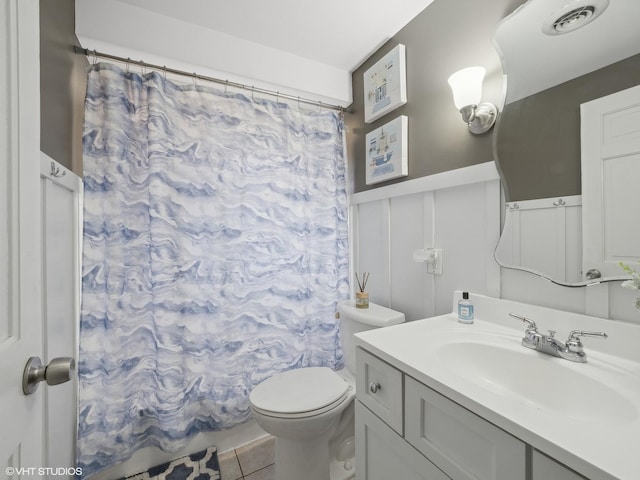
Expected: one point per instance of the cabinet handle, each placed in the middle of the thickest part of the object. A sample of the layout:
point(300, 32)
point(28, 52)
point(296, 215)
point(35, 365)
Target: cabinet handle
point(374, 387)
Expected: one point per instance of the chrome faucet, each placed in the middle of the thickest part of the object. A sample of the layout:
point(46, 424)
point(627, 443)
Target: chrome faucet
point(572, 349)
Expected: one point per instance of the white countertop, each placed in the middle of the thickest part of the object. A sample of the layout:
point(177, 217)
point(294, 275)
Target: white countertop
point(598, 437)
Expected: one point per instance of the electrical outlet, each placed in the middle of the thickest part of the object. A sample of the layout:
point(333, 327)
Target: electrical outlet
point(434, 262)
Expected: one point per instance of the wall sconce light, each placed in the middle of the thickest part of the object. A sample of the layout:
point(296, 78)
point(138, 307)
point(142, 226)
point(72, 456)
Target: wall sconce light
point(466, 85)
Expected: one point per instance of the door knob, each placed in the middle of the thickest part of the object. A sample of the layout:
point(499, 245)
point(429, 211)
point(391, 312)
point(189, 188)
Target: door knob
point(58, 371)
point(593, 274)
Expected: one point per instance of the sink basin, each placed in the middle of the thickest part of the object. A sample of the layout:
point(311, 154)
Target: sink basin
point(539, 381)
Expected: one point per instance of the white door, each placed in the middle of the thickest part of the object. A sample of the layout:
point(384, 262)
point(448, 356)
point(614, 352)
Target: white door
point(21, 416)
point(610, 139)
point(61, 228)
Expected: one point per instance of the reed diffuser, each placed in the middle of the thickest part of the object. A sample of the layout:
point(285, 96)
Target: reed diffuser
point(362, 297)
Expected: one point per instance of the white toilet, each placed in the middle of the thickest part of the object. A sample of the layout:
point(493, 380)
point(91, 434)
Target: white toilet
point(310, 410)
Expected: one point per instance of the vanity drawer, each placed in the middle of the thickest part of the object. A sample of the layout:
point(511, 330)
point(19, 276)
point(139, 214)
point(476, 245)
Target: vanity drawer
point(463, 445)
point(379, 387)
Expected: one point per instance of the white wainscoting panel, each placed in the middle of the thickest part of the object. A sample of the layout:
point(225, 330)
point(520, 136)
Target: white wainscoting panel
point(467, 229)
point(372, 234)
point(544, 235)
point(521, 286)
point(458, 212)
point(411, 222)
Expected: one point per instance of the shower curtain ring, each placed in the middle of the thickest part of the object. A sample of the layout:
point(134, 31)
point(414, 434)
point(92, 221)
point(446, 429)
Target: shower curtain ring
point(253, 90)
point(226, 85)
point(164, 71)
point(128, 63)
point(95, 57)
point(195, 78)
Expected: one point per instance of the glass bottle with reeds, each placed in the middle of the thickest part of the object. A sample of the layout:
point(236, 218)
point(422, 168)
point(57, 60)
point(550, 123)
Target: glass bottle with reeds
point(362, 296)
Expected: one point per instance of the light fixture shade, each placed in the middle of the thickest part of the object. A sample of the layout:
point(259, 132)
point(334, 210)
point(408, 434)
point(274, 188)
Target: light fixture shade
point(466, 85)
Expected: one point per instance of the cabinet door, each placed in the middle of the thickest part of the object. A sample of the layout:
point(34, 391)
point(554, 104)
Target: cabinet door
point(545, 468)
point(463, 445)
point(383, 455)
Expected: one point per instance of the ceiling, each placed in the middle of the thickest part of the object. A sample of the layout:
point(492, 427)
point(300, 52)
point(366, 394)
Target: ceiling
point(334, 32)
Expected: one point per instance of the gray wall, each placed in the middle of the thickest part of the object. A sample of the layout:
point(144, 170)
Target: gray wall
point(447, 36)
point(62, 85)
point(539, 153)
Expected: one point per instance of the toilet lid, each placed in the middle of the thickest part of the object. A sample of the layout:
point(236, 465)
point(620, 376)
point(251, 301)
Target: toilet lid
point(298, 391)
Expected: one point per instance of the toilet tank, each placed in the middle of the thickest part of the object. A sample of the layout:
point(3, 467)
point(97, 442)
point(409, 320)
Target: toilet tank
point(355, 320)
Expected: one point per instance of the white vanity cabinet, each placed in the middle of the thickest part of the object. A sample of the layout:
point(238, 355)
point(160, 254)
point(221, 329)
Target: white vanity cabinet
point(408, 431)
point(474, 404)
point(382, 454)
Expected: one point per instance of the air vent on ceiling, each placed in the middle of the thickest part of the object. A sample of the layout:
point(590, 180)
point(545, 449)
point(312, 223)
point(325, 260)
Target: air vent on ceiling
point(573, 16)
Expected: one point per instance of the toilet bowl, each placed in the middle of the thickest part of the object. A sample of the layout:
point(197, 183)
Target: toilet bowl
point(310, 410)
point(302, 409)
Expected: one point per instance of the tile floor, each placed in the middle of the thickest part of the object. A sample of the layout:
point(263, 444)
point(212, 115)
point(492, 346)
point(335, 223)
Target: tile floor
point(253, 461)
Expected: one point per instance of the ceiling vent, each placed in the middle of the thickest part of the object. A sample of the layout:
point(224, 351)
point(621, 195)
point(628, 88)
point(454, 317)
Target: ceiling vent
point(573, 16)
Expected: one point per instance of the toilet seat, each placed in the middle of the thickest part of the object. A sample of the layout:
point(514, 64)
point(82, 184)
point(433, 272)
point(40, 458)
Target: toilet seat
point(299, 393)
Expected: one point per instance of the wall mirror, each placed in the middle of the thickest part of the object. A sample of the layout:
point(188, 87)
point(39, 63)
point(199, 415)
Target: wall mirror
point(556, 56)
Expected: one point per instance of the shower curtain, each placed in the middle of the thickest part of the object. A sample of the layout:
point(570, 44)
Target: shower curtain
point(215, 250)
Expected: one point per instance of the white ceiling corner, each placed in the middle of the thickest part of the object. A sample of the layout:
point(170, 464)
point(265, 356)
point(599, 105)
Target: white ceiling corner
point(307, 48)
point(334, 32)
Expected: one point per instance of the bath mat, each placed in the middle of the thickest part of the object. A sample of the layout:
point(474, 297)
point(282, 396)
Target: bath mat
point(197, 466)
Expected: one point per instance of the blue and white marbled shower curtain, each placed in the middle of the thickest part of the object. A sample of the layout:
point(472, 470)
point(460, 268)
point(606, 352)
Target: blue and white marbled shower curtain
point(215, 250)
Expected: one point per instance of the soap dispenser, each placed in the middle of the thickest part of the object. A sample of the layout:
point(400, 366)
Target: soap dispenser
point(465, 309)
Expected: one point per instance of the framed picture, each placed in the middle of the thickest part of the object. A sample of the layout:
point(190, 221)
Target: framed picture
point(387, 151)
point(385, 85)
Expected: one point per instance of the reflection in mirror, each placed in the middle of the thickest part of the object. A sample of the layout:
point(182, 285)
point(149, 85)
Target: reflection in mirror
point(538, 141)
point(544, 236)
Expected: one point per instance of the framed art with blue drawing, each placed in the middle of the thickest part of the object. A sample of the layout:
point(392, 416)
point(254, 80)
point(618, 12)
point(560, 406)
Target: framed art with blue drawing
point(387, 151)
point(385, 84)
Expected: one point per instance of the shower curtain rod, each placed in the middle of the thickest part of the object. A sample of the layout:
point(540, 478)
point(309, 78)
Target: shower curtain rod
point(195, 76)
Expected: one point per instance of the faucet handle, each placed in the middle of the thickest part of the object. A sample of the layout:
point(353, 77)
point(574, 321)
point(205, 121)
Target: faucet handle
point(575, 345)
point(531, 325)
